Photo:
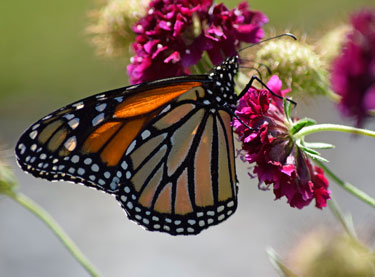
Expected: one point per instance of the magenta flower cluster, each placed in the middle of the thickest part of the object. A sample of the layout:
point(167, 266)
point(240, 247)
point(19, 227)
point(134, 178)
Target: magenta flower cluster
point(276, 158)
point(353, 72)
point(174, 34)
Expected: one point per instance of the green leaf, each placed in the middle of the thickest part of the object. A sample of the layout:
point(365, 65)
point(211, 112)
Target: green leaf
point(304, 122)
point(318, 145)
point(316, 157)
point(287, 108)
point(301, 144)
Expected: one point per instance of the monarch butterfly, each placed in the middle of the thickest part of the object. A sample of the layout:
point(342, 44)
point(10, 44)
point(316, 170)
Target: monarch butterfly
point(163, 148)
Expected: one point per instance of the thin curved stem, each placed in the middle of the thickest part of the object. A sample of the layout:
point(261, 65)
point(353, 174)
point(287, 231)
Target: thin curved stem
point(333, 96)
point(347, 186)
point(56, 228)
point(333, 127)
point(346, 224)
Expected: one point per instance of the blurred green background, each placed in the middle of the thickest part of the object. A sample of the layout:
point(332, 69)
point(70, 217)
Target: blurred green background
point(47, 61)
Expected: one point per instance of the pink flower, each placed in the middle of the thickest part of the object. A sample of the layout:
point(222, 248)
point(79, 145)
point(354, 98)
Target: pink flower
point(174, 34)
point(277, 160)
point(226, 29)
point(353, 73)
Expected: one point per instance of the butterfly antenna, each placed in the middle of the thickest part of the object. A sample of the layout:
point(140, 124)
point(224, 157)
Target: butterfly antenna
point(269, 71)
point(267, 39)
point(255, 69)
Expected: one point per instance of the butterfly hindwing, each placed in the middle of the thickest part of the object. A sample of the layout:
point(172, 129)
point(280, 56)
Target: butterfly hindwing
point(180, 171)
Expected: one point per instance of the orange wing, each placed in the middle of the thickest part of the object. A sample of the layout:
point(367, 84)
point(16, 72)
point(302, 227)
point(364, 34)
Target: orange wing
point(84, 142)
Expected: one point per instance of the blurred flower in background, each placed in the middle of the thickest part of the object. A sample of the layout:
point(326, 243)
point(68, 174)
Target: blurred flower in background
point(174, 35)
point(323, 253)
point(353, 72)
point(270, 146)
point(112, 32)
point(330, 44)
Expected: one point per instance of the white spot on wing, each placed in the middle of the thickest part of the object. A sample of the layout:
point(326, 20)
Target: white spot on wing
point(119, 99)
point(75, 159)
point(191, 221)
point(78, 105)
point(71, 143)
point(87, 161)
point(97, 119)
point(69, 116)
point(167, 108)
point(22, 148)
point(81, 171)
point(145, 134)
point(74, 123)
point(95, 168)
point(101, 107)
point(230, 204)
point(130, 148)
point(35, 126)
point(210, 213)
point(124, 165)
point(33, 134)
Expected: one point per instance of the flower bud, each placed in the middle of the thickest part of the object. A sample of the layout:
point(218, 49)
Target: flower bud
point(112, 33)
point(296, 64)
point(7, 179)
point(326, 254)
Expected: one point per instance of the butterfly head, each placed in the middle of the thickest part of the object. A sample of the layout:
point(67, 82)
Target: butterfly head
point(223, 76)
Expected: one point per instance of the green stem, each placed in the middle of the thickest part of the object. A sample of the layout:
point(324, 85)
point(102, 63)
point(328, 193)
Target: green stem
point(279, 266)
point(347, 186)
point(56, 228)
point(332, 127)
point(348, 226)
point(333, 96)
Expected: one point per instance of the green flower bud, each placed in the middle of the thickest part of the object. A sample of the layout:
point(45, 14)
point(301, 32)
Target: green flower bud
point(7, 179)
point(112, 33)
point(297, 65)
point(322, 254)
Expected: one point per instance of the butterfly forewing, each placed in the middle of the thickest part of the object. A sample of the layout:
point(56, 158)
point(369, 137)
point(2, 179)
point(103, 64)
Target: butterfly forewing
point(84, 142)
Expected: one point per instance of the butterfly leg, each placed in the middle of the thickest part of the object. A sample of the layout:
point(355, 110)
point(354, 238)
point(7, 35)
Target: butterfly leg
point(256, 78)
point(230, 110)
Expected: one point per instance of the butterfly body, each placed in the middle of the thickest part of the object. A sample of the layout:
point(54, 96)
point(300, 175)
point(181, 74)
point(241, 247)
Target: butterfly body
point(163, 148)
